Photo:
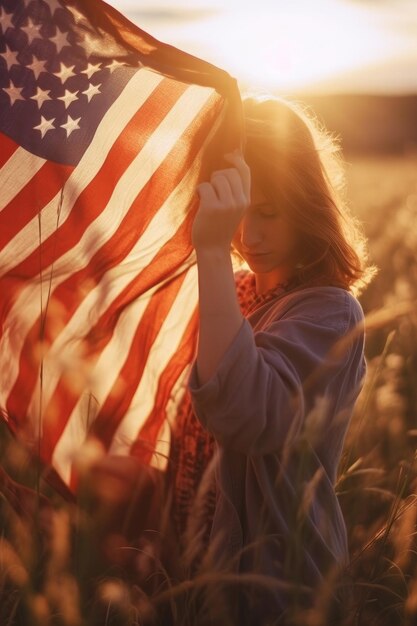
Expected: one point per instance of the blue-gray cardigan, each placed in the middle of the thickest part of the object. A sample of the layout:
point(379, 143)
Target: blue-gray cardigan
point(278, 405)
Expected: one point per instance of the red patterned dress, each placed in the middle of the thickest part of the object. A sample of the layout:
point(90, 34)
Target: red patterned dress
point(192, 446)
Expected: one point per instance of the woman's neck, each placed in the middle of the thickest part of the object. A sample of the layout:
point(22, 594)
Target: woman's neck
point(269, 280)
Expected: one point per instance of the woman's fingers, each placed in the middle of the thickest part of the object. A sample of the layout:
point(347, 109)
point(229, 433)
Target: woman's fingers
point(227, 189)
point(229, 185)
point(207, 194)
point(222, 203)
point(244, 170)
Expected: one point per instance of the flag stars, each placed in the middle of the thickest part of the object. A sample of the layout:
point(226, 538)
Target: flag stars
point(10, 56)
point(14, 93)
point(32, 31)
point(40, 96)
point(91, 69)
point(68, 97)
point(6, 20)
point(54, 5)
point(37, 66)
point(60, 39)
point(45, 125)
point(114, 65)
point(71, 125)
point(65, 72)
point(92, 90)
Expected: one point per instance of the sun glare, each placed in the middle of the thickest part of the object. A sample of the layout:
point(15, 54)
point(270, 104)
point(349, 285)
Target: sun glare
point(299, 46)
point(292, 49)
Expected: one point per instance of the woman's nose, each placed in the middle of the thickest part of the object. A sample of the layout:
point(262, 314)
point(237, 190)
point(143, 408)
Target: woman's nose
point(250, 237)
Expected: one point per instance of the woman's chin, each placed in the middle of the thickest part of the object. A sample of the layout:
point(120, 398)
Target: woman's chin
point(262, 264)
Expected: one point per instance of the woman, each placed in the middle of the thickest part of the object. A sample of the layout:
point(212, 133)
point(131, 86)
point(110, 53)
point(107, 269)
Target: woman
point(279, 365)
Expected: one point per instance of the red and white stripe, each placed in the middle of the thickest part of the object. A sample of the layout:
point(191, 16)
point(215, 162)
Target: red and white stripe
point(98, 278)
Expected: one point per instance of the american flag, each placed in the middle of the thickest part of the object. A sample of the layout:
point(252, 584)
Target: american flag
point(105, 132)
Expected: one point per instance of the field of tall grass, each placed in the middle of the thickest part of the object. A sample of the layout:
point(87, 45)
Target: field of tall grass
point(100, 561)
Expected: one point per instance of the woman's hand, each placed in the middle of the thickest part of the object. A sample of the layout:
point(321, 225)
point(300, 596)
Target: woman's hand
point(222, 203)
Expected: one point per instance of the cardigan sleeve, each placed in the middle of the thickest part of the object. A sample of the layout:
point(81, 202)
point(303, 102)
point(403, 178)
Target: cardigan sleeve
point(257, 399)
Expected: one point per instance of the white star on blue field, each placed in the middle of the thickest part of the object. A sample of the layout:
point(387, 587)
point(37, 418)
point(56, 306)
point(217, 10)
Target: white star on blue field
point(55, 84)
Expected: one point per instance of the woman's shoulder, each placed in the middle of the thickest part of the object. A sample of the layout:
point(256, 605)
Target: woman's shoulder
point(326, 305)
point(330, 295)
point(322, 306)
point(330, 304)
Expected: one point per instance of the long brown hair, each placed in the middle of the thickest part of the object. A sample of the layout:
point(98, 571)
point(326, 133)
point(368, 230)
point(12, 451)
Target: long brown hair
point(299, 167)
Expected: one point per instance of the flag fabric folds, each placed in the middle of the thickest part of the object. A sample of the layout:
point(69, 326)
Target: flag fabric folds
point(104, 134)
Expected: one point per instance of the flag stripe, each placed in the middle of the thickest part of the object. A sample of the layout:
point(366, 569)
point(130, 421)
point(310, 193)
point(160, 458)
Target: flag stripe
point(151, 324)
point(176, 370)
point(163, 253)
point(71, 429)
point(121, 167)
point(66, 436)
point(25, 205)
point(65, 397)
point(135, 93)
point(8, 146)
point(30, 295)
point(74, 432)
point(102, 187)
point(164, 346)
point(16, 173)
point(99, 322)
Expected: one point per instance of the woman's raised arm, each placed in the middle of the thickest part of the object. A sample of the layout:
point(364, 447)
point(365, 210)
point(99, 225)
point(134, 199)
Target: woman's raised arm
point(222, 203)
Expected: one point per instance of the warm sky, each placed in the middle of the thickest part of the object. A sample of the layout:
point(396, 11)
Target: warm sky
point(313, 45)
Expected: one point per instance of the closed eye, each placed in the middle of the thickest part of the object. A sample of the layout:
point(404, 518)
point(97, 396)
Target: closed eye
point(266, 213)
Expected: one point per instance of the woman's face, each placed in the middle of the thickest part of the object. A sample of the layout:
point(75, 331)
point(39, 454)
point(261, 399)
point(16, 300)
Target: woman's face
point(265, 238)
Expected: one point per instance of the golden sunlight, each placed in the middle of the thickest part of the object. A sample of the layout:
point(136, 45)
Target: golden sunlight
point(301, 46)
